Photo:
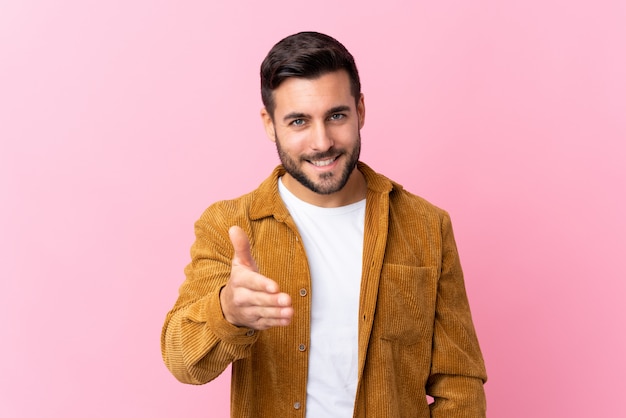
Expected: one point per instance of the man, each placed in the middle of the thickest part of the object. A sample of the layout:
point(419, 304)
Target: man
point(331, 290)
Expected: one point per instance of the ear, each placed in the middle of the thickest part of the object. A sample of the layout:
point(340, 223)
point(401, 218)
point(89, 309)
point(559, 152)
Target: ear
point(268, 123)
point(360, 108)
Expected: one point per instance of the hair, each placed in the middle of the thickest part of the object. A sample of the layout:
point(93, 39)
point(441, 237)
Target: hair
point(305, 55)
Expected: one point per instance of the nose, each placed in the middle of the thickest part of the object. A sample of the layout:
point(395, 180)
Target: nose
point(321, 139)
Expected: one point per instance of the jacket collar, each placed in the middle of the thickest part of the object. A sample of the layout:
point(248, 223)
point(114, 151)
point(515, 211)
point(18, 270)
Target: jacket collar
point(266, 200)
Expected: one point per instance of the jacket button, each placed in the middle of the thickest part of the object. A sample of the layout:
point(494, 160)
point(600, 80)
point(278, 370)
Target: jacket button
point(296, 405)
point(302, 347)
point(303, 292)
point(250, 333)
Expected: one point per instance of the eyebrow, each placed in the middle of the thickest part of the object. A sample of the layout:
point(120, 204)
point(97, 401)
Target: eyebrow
point(300, 115)
point(338, 109)
point(294, 115)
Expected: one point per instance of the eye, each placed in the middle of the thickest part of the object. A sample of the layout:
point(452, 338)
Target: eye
point(297, 122)
point(337, 116)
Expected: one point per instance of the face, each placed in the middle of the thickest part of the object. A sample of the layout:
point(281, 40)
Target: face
point(316, 126)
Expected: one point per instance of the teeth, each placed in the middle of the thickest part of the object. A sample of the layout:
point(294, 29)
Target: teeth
point(323, 163)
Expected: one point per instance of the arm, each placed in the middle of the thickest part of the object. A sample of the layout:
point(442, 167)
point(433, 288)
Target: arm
point(197, 343)
point(457, 370)
point(223, 301)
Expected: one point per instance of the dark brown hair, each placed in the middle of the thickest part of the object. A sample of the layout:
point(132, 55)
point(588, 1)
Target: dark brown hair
point(305, 55)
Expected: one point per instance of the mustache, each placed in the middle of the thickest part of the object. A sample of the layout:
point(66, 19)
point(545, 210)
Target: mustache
point(331, 153)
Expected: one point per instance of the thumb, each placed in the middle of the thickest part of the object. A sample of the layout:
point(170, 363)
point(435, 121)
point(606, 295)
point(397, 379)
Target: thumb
point(241, 244)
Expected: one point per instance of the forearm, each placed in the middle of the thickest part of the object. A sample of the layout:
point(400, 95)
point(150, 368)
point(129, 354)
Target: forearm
point(197, 343)
point(457, 369)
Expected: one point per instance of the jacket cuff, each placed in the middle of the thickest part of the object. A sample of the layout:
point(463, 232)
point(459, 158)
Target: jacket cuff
point(224, 330)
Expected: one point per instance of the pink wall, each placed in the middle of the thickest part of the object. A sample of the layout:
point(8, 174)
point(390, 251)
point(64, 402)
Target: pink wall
point(121, 121)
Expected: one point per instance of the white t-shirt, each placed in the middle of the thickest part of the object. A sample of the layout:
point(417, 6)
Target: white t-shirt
point(333, 240)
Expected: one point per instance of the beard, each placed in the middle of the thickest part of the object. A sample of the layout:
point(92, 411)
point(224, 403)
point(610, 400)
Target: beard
point(327, 183)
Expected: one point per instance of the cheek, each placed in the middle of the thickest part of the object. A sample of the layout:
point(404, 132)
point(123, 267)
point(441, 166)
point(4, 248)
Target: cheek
point(345, 134)
point(292, 141)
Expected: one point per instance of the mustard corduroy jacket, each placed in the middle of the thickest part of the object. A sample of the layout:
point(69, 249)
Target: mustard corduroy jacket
point(416, 335)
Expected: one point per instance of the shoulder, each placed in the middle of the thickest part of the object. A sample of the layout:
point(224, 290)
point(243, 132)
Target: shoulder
point(401, 201)
point(256, 204)
point(225, 213)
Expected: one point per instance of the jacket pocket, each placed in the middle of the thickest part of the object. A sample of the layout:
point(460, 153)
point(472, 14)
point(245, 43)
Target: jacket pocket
point(406, 303)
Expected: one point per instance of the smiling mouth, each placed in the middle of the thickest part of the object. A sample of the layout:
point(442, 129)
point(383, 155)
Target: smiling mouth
point(324, 162)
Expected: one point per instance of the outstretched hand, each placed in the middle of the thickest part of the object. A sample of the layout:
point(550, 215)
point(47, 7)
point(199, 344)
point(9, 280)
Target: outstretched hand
point(250, 299)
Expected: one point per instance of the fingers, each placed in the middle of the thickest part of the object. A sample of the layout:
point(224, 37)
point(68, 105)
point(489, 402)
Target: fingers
point(242, 277)
point(276, 318)
point(241, 245)
point(244, 297)
point(264, 317)
point(245, 307)
point(243, 259)
point(250, 299)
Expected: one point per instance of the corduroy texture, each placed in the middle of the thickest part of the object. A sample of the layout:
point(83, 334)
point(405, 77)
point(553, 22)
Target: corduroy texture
point(416, 335)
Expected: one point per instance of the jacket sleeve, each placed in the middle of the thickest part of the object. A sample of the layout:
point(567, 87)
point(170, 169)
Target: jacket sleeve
point(197, 343)
point(457, 369)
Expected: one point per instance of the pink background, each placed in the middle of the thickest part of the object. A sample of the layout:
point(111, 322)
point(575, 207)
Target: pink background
point(120, 121)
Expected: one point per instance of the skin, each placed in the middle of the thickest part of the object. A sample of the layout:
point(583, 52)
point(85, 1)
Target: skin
point(315, 126)
point(316, 121)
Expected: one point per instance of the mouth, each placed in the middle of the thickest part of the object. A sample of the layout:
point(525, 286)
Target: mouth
point(323, 162)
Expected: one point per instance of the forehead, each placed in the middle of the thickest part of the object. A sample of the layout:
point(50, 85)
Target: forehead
point(309, 95)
